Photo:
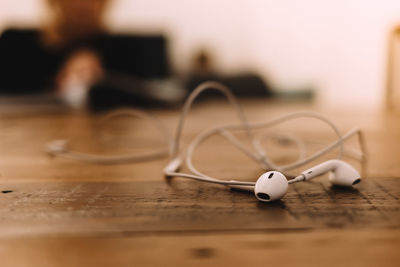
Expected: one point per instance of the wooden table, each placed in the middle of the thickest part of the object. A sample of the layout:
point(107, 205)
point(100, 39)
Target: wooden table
point(59, 212)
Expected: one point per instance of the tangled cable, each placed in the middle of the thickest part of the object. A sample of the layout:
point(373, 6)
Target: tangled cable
point(256, 153)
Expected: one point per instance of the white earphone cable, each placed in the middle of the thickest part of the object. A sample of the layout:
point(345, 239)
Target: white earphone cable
point(188, 103)
point(203, 177)
point(59, 147)
point(223, 129)
point(259, 155)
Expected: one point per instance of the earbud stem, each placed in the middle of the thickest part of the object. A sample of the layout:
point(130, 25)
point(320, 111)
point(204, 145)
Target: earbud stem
point(319, 169)
point(341, 173)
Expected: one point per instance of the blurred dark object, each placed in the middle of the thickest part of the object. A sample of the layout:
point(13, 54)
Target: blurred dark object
point(28, 66)
point(119, 90)
point(110, 94)
point(245, 84)
point(25, 65)
point(203, 63)
point(242, 85)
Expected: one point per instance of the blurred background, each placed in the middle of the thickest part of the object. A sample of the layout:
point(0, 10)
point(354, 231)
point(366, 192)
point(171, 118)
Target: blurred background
point(339, 48)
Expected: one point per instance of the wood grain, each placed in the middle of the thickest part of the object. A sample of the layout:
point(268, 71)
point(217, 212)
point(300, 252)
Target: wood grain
point(157, 207)
point(356, 247)
point(58, 212)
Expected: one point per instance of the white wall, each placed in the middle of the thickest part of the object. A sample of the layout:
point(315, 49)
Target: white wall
point(337, 46)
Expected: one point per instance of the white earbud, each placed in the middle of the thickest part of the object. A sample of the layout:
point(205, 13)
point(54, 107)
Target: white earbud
point(341, 173)
point(271, 186)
